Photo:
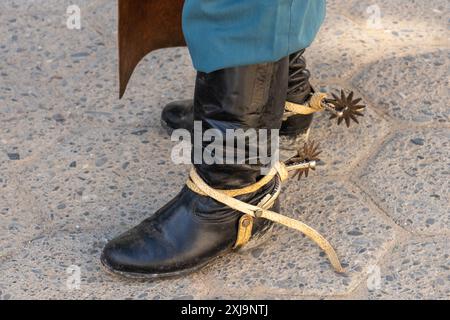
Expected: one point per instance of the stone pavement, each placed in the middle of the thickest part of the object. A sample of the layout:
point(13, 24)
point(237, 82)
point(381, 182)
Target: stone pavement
point(78, 166)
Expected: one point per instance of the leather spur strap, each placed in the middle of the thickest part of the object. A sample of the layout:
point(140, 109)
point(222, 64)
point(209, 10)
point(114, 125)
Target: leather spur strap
point(281, 172)
point(315, 104)
point(344, 107)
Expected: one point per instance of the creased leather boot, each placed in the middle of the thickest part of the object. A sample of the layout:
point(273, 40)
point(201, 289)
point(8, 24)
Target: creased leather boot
point(179, 114)
point(299, 91)
point(191, 230)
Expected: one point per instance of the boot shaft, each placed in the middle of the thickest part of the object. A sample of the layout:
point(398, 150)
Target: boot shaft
point(299, 87)
point(179, 114)
point(246, 98)
point(299, 91)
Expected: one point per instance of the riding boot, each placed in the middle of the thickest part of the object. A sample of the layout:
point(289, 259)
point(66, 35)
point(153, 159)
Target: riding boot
point(299, 91)
point(179, 114)
point(194, 228)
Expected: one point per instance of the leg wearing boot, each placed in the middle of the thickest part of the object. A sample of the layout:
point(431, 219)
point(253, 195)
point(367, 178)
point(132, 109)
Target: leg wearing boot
point(179, 114)
point(193, 229)
point(223, 205)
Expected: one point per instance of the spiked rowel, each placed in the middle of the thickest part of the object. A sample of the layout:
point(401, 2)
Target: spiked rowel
point(309, 153)
point(345, 108)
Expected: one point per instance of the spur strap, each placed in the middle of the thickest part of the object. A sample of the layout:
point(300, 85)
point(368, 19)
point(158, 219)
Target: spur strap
point(280, 172)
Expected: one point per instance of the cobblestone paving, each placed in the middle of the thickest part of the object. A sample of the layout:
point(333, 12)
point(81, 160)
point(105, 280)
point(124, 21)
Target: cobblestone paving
point(78, 166)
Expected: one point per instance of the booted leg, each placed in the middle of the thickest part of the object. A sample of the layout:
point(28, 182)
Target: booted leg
point(193, 229)
point(178, 114)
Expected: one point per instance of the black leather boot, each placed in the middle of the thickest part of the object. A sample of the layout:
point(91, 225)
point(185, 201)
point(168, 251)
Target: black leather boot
point(299, 91)
point(179, 114)
point(192, 229)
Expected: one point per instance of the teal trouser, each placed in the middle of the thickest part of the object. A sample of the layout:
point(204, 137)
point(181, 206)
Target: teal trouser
point(229, 33)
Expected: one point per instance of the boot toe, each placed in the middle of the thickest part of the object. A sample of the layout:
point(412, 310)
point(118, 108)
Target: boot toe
point(128, 254)
point(178, 114)
point(113, 259)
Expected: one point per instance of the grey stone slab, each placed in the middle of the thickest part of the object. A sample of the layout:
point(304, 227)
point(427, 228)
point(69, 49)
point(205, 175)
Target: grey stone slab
point(50, 7)
point(20, 219)
point(290, 265)
point(410, 178)
point(45, 95)
point(162, 77)
point(339, 48)
point(343, 148)
point(411, 88)
point(348, 39)
point(40, 271)
point(39, 45)
point(104, 178)
point(407, 21)
point(49, 78)
point(418, 269)
point(41, 58)
point(78, 166)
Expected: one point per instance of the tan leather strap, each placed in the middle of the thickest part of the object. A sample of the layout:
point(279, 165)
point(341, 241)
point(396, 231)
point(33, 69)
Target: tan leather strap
point(314, 105)
point(245, 226)
point(279, 169)
point(238, 192)
point(261, 212)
